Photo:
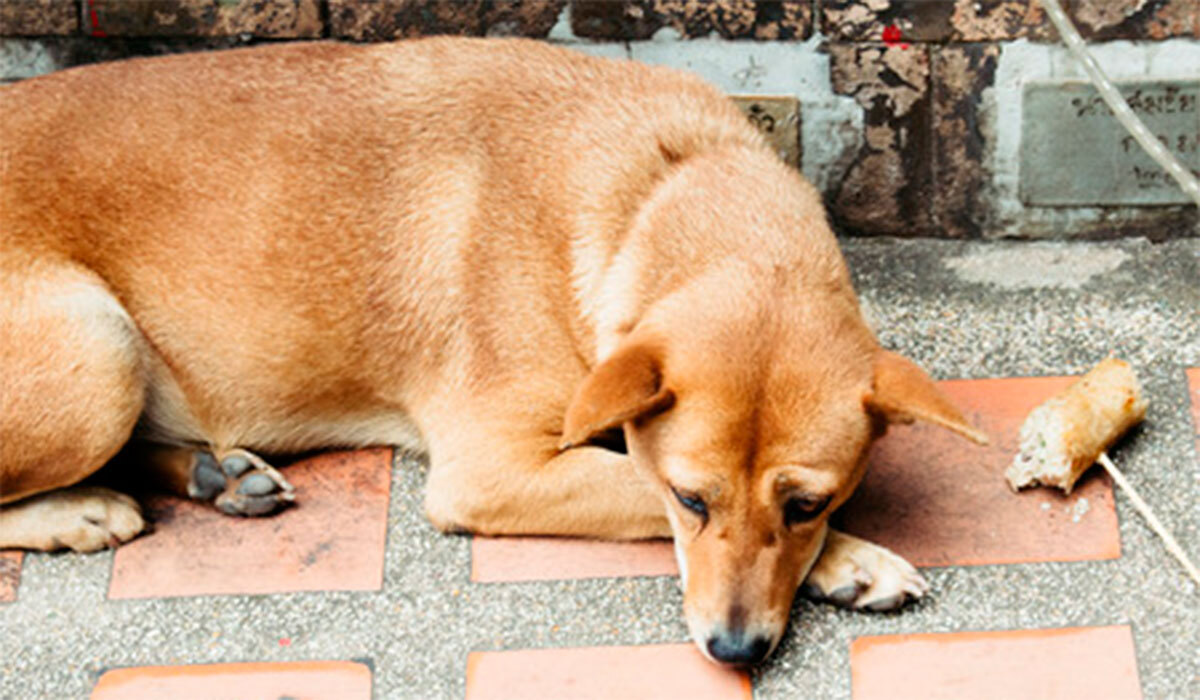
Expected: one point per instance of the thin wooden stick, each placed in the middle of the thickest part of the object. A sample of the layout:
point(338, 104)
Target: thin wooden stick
point(1155, 524)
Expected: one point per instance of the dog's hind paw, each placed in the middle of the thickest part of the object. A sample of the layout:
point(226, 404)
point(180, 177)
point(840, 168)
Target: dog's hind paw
point(241, 483)
point(856, 574)
point(80, 518)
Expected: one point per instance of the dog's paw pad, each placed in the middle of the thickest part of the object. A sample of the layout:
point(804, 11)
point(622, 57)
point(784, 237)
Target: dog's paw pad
point(206, 479)
point(254, 487)
point(845, 595)
point(239, 484)
point(257, 484)
point(235, 465)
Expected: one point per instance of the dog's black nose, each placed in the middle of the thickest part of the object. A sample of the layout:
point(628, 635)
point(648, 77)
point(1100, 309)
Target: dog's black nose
point(738, 651)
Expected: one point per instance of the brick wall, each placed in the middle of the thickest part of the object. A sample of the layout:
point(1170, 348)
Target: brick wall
point(907, 106)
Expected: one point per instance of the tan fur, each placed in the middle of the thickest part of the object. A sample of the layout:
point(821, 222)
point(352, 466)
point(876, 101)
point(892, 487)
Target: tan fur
point(435, 243)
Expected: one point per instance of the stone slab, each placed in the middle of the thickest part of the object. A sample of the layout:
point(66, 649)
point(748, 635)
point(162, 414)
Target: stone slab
point(1074, 152)
point(1048, 664)
point(938, 500)
point(332, 540)
point(777, 117)
point(313, 680)
point(657, 672)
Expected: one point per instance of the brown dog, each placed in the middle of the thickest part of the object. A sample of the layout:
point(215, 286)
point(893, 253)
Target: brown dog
point(502, 252)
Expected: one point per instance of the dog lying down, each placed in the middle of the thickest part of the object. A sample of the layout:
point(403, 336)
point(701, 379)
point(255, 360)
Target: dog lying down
point(498, 251)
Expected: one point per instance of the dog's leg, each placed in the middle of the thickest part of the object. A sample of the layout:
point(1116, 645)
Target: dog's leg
point(71, 393)
point(239, 483)
point(82, 518)
point(493, 486)
point(854, 573)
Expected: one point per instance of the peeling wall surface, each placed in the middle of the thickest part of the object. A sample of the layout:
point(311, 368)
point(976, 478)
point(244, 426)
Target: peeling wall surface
point(911, 111)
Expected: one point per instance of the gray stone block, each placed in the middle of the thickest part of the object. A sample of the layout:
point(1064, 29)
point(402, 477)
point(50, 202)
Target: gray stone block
point(1074, 151)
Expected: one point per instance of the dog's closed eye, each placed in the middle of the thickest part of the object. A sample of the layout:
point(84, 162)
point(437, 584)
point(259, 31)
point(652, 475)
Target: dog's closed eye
point(803, 508)
point(693, 503)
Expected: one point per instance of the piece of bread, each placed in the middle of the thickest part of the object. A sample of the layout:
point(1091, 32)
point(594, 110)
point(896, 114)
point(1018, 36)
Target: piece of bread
point(1066, 434)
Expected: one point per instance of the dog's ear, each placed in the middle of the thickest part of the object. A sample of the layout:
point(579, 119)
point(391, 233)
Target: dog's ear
point(626, 386)
point(902, 393)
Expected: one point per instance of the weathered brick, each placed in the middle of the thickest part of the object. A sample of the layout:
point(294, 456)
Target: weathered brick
point(395, 19)
point(209, 18)
point(887, 188)
point(960, 74)
point(1137, 19)
point(38, 17)
point(866, 20)
point(26, 58)
point(732, 19)
point(899, 21)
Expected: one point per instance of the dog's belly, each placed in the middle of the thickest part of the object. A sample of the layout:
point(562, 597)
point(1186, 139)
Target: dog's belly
point(258, 424)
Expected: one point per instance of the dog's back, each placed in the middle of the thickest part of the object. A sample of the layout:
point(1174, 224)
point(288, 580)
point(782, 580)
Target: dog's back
point(307, 235)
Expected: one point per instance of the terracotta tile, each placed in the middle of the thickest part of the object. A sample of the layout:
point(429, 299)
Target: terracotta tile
point(665, 671)
point(940, 501)
point(10, 574)
point(311, 680)
point(333, 539)
point(1193, 378)
point(538, 558)
point(1054, 664)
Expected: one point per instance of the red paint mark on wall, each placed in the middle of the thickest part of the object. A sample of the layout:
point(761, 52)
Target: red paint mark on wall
point(893, 37)
point(94, 18)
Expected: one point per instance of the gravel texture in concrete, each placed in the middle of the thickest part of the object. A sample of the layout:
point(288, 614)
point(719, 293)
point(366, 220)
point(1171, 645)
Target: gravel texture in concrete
point(962, 310)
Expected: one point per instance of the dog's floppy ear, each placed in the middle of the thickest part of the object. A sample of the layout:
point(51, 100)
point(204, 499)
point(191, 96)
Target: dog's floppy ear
point(626, 386)
point(902, 393)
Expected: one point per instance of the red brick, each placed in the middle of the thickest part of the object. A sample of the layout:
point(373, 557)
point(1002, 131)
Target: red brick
point(38, 17)
point(941, 501)
point(731, 19)
point(935, 20)
point(279, 19)
point(666, 671)
point(1053, 664)
point(1136, 19)
point(537, 558)
point(312, 680)
point(384, 20)
point(333, 539)
point(10, 575)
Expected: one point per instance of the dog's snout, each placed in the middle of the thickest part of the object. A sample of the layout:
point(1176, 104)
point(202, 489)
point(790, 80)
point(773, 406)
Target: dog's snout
point(738, 650)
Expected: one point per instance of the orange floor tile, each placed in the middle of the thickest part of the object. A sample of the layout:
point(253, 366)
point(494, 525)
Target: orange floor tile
point(665, 672)
point(940, 501)
point(311, 680)
point(1058, 664)
point(10, 575)
point(332, 540)
point(495, 559)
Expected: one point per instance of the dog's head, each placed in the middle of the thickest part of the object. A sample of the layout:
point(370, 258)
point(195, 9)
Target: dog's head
point(754, 434)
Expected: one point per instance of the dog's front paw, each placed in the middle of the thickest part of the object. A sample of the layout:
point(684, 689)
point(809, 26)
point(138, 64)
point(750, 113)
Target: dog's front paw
point(240, 484)
point(856, 574)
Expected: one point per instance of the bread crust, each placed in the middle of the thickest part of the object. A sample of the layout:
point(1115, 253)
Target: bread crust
point(1065, 435)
